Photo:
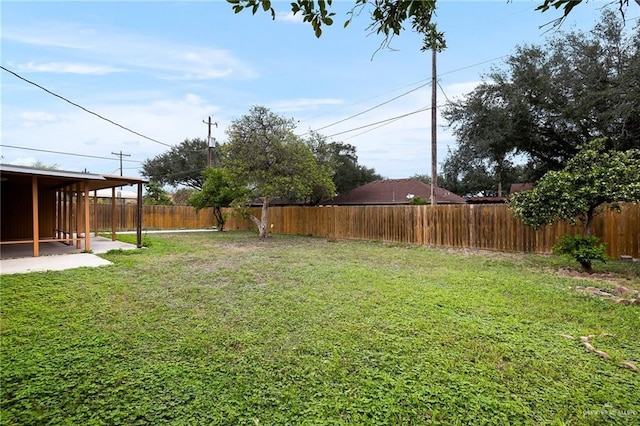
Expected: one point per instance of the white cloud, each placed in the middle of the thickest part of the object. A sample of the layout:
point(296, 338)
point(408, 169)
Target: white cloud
point(170, 121)
point(35, 118)
point(68, 68)
point(123, 50)
point(458, 90)
point(23, 161)
point(289, 17)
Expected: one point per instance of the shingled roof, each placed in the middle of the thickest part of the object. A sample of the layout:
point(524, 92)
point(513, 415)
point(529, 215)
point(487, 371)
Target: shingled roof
point(518, 187)
point(394, 191)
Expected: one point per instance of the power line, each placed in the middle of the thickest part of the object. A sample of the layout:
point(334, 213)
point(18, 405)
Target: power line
point(66, 153)
point(386, 122)
point(381, 121)
point(84, 109)
point(472, 65)
point(371, 130)
point(443, 92)
point(407, 92)
point(372, 108)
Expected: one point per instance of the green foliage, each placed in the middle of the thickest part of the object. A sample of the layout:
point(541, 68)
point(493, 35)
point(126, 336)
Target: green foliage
point(582, 249)
point(300, 331)
point(181, 196)
point(180, 165)
point(42, 166)
point(388, 17)
point(418, 201)
point(343, 160)
point(547, 102)
point(218, 191)
point(596, 175)
point(422, 178)
point(568, 5)
point(155, 195)
point(264, 154)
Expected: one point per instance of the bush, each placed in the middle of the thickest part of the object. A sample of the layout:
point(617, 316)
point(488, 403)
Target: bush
point(583, 249)
point(418, 201)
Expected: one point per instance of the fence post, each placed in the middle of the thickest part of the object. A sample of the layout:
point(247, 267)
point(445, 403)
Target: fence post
point(472, 227)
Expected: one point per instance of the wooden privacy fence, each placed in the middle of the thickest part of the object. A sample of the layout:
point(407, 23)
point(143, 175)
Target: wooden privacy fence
point(153, 217)
point(490, 227)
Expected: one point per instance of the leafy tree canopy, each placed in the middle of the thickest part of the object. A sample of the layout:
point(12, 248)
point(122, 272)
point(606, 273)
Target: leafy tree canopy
point(42, 166)
point(218, 191)
point(263, 154)
point(546, 103)
point(156, 195)
point(343, 160)
point(388, 17)
point(596, 175)
point(181, 196)
point(182, 164)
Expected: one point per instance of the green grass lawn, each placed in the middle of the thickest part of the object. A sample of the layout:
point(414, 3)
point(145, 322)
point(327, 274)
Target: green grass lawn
point(224, 329)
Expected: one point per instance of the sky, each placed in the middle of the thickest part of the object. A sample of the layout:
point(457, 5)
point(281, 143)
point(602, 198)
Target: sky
point(161, 68)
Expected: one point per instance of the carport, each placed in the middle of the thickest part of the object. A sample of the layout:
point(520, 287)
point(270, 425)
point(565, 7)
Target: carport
point(53, 206)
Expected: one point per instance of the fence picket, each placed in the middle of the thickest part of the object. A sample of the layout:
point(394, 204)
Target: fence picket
point(491, 227)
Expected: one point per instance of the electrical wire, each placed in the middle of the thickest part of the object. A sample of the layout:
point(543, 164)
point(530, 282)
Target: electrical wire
point(381, 121)
point(68, 153)
point(407, 92)
point(85, 109)
point(371, 130)
point(443, 92)
point(373, 107)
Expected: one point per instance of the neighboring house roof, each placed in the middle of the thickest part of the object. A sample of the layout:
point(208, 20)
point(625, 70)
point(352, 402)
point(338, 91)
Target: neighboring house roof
point(276, 202)
point(486, 200)
point(120, 193)
point(517, 187)
point(394, 191)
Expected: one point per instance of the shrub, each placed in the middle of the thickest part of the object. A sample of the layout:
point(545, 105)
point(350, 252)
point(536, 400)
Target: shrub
point(418, 201)
point(583, 249)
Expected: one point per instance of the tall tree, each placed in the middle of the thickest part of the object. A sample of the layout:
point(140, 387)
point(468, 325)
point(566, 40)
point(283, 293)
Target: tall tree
point(182, 164)
point(263, 154)
point(549, 101)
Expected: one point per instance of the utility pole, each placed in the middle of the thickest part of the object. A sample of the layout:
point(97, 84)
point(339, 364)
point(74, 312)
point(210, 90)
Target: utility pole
point(120, 154)
point(434, 130)
point(209, 147)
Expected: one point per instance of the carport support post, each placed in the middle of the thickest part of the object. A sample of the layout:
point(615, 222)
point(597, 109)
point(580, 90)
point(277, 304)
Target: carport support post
point(87, 218)
point(79, 210)
point(36, 227)
point(95, 212)
point(139, 224)
point(113, 213)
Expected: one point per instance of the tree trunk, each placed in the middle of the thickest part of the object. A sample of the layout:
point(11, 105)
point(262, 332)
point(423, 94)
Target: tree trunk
point(217, 213)
point(264, 218)
point(262, 223)
point(586, 266)
point(588, 226)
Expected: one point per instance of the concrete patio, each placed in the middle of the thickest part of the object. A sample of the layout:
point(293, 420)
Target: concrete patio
point(56, 256)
